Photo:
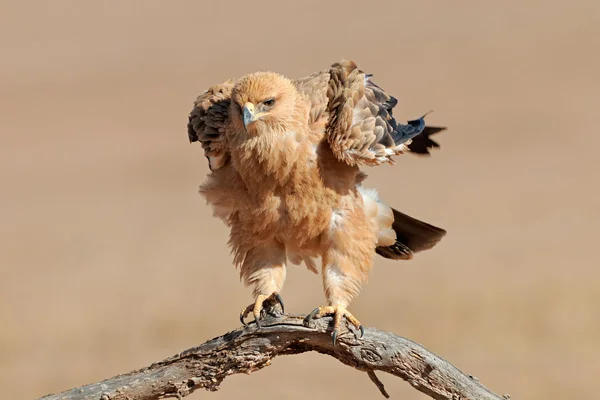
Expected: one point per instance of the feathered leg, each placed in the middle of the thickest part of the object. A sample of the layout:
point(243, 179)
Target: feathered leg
point(264, 269)
point(347, 259)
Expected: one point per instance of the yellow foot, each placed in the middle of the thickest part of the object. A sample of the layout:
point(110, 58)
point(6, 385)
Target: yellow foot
point(259, 306)
point(338, 313)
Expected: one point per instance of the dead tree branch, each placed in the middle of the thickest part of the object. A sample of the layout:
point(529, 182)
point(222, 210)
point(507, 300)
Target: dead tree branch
point(247, 350)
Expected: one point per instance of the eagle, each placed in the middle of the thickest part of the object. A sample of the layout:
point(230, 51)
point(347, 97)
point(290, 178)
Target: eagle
point(284, 158)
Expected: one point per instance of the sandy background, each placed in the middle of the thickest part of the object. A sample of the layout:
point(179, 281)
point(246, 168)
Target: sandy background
point(109, 260)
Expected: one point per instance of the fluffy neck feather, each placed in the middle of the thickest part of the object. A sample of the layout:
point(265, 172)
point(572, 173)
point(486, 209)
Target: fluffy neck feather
point(273, 155)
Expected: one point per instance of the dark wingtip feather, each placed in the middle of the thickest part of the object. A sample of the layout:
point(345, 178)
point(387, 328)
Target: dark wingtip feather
point(422, 143)
point(390, 104)
point(192, 135)
point(404, 133)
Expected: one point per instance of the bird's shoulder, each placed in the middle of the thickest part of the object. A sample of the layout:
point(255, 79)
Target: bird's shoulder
point(313, 89)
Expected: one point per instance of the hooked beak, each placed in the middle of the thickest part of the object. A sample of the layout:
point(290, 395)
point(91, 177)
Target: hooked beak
point(248, 114)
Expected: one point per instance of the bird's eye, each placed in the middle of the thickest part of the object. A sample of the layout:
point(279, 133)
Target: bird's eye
point(269, 102)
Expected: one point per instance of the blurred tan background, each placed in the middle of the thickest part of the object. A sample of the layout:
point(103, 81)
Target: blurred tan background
point(110, 260)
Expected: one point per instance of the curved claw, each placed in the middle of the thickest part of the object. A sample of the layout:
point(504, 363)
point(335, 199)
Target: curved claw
point(336, 333)
point(243, 314)
point(258, 309)
point(280, 300)
point(339, 312)
point(309, 317)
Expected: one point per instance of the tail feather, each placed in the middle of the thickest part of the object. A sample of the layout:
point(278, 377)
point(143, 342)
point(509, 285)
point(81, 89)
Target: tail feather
point(412, 236)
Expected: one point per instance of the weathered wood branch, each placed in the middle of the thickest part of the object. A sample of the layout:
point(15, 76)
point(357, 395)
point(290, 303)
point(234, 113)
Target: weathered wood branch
point(249, 349)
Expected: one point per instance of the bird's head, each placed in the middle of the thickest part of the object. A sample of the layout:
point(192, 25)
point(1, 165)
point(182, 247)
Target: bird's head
point(263, 100)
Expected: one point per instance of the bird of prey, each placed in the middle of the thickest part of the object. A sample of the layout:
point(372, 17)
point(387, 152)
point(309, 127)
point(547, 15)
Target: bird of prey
point(285, 159)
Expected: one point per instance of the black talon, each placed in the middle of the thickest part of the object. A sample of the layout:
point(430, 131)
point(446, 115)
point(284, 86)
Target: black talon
point(280, 300)
point(242, 319)
point(362, 331)
point(310, 316)
point(335, 335)
point(257, 320)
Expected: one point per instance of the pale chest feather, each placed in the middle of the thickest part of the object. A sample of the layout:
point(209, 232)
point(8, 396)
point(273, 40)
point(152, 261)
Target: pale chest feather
point(296, 212)
point(286, 190)
point(285, 185)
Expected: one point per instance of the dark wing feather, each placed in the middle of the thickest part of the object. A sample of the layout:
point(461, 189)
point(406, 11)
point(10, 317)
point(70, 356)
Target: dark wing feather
point(207, 123)
point(422, 143)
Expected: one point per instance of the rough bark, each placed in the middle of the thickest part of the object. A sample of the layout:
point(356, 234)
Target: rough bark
point(249, 349)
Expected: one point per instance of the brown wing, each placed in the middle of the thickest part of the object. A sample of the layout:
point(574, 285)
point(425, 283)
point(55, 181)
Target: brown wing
point(314, 88)
point(208, 121)
point(356, 115)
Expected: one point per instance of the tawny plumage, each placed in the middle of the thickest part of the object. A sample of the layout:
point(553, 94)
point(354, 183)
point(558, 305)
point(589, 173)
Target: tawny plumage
point(284, 158)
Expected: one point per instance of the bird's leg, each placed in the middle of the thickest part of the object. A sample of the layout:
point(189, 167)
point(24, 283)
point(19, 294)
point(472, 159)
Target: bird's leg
point(347, 259)
point(264, 269)
point(340, 288)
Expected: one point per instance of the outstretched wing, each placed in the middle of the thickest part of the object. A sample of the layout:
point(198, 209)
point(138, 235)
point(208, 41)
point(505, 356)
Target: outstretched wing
point(356, 117)
point(208, 122)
